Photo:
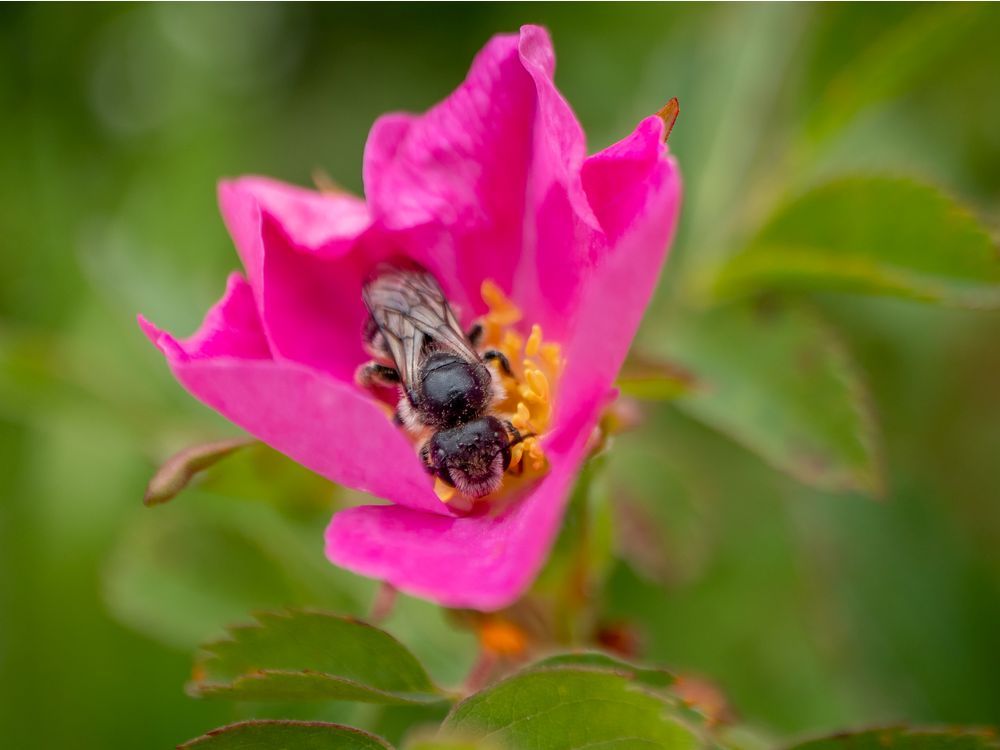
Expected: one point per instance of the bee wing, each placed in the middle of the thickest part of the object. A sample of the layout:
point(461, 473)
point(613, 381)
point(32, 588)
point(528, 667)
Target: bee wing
point(410, 309)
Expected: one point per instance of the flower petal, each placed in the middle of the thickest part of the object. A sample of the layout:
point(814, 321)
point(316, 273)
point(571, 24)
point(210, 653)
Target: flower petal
point(634, 187)
point(300, 250)
point(562, 238)
point(478, 165)
point(306, 415)
point(479, 561)
point(231, 328)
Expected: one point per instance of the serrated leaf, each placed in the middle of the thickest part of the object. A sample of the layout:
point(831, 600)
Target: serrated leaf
point(312, 656)
point(903, 738)
point(652, 678)
point(561, 708)
point(286, 735)
point(777, 380)
point(177, 471)
point(874, 235)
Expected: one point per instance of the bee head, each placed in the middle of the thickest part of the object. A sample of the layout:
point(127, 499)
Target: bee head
point(472, 457)
point(453, 390)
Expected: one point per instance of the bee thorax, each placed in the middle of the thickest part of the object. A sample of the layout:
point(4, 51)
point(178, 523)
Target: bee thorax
point(453, 391)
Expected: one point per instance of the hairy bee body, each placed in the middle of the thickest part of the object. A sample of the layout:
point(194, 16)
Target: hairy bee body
point(446, 387)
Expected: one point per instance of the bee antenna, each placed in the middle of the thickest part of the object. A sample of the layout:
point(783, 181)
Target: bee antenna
point(520, 438)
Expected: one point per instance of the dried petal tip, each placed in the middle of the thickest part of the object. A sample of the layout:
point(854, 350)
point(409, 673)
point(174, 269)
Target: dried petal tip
point(178, 470)
point(669, 116)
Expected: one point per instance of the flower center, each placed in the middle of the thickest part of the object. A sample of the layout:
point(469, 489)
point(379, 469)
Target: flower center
point(528, 394)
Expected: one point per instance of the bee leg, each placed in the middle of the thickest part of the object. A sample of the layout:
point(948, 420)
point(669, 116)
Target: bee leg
point(514, 436)
point(372, 374)
point(501, 359)
point(373, 340)
point(475, 334)
point(425, 458)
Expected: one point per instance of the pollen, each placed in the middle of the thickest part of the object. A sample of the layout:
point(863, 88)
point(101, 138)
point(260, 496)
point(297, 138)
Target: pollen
point(445, 492)
point(502, 637)
point(536, 365)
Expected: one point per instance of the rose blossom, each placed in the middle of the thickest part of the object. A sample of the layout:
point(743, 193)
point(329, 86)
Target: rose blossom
point(491, 186)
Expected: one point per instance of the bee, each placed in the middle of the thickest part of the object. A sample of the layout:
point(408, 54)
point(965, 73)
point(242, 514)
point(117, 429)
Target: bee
point(446, 387)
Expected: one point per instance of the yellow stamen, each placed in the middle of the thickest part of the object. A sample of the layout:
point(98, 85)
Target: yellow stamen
point(502, 637)
point(536, 365)
point(534, 341)
point(551, 355)
point(443, 491)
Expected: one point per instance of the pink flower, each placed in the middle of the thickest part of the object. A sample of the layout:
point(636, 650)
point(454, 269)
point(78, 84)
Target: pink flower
point(492, 183)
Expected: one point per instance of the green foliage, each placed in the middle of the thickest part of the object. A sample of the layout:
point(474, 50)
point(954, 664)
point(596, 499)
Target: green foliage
point(901, 738)
point(896, 59)
point(286, 735)
point(776, 378)
point(872, 235)
point(311, 656)
point(646, 378)
point(809, 611)
point(186, 570)
point(565, 707)
point(443, 741)
point(651, 678)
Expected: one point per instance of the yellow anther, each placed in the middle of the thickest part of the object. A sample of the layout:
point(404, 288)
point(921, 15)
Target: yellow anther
point(529, 395)
point(535, 363)
point(538, 382)
point(522, 417)
point(516, 453)
point(502, 637)
point(444, 491)
point(511, 344)
point(551, 356)
point(534, 341)
point(502, 310)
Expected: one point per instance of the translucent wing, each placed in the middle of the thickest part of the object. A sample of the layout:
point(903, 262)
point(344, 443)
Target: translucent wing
point(411, 311)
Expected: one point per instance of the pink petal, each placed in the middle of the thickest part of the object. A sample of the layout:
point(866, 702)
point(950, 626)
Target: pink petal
point(474, 561)
point(562, 238)
point(301, 251)
point(231, 328)
point(634, 187)
point(327, 426)
point(495, 167)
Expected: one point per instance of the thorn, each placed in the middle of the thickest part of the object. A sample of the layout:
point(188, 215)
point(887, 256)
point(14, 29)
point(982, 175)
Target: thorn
point(669, 116)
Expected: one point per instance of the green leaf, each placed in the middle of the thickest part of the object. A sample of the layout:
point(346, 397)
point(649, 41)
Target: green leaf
point(875, 236)
point(651, 678)
point(777, 380)
point(312, 656)
point(646, 378)
point(182, 573)
point(893, 63)
point(560, 708)
point(286, 735)
point(902, 738)
point(177, 471)
point(439, 741)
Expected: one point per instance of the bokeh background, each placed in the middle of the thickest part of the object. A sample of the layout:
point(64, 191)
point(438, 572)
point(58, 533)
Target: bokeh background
point(813, 610)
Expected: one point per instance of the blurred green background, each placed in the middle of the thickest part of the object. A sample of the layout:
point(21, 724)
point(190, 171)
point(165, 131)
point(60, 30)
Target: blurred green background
point(812, 609)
